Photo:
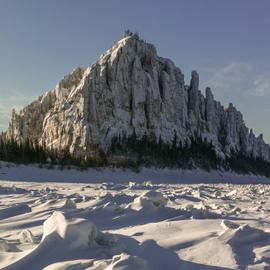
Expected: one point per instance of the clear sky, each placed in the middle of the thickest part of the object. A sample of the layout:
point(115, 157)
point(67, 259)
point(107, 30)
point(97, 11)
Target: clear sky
point(227, 42)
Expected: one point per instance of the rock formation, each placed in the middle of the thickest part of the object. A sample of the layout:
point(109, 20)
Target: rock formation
point(130, 88)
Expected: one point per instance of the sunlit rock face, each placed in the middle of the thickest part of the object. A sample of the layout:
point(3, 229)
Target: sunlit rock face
point(130, 88)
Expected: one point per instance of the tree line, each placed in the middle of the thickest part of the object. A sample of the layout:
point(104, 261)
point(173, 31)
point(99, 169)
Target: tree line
point(133, 152)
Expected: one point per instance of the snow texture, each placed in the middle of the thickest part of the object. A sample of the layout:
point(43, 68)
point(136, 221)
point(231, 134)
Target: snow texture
point(131, 225)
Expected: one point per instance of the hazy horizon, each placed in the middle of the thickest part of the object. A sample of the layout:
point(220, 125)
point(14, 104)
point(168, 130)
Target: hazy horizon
point(226, 42)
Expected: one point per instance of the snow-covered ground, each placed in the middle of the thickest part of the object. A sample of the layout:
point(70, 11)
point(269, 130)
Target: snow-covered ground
point(128, 225)
point(12, 172)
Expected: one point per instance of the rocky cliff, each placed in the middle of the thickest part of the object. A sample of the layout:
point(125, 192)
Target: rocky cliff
point(130, 88)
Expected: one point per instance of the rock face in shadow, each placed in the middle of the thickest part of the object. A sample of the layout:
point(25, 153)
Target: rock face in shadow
point(130, 88)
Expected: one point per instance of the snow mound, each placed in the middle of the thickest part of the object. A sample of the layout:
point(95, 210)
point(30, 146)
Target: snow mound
point(133, 185)
point(198, 211)
point(75, 232)
point(127, 262)
point(147, 184)
point(151, 199)
point(156, 198)
point(26, 236)
point(140, 203)
point(243, 235)
point(62, 239)
point(119, 199)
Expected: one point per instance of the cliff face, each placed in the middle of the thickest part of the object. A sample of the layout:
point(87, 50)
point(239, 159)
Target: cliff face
point(130, 88)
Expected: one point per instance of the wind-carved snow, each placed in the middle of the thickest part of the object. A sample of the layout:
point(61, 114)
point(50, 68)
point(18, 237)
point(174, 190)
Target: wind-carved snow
point(146, 226)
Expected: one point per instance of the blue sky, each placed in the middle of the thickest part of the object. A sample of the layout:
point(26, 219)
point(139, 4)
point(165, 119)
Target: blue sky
point(227, 42)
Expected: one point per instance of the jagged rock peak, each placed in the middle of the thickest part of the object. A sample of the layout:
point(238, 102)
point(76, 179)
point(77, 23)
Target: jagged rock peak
point(72, 79)
point(132, 89)
point(208, 93)
point(194, 83)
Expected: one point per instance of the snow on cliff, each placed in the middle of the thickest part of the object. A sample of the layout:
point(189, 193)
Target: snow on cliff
point(130, 88)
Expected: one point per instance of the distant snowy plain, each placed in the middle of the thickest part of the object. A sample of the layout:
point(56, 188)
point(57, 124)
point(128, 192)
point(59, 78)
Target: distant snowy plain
point(113, 219)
